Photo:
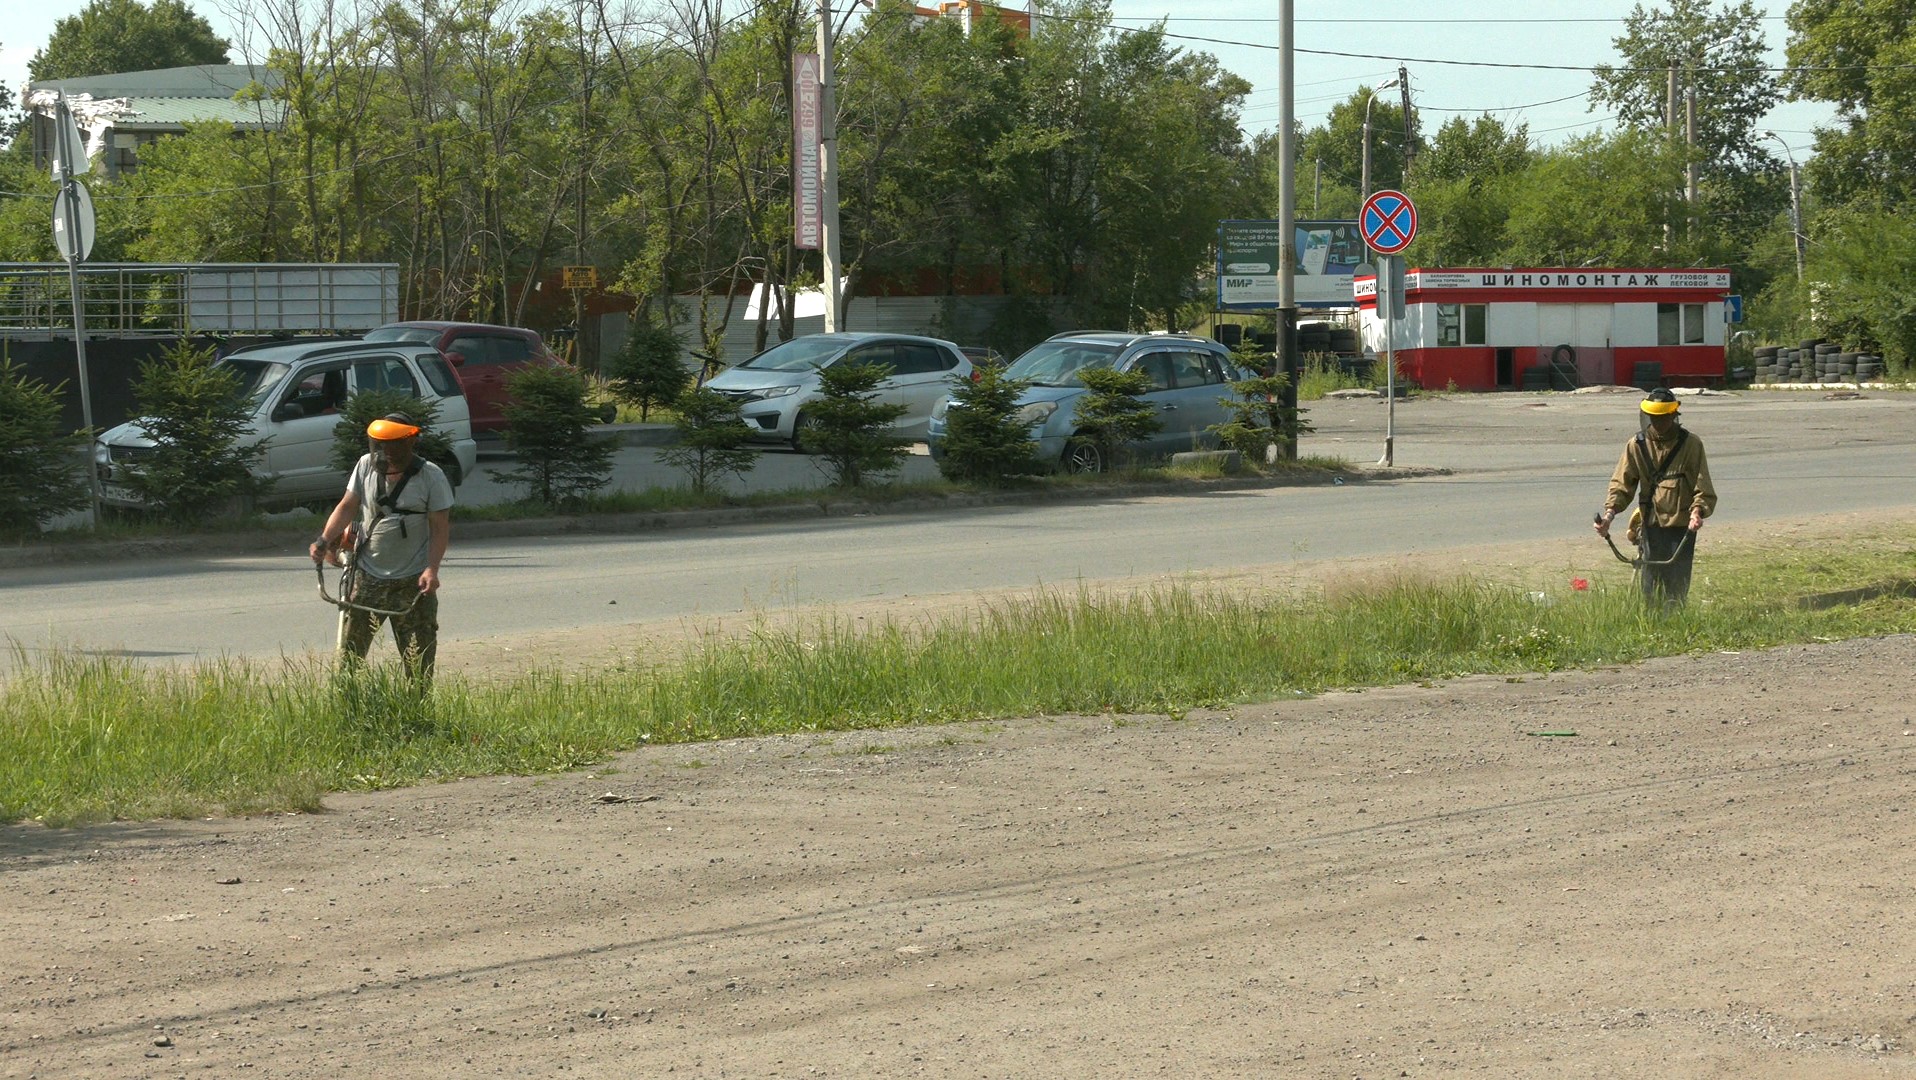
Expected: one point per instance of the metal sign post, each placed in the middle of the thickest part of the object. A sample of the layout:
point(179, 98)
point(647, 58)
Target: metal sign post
point(1388, 221)
point(73, 229)
point(1390, 276)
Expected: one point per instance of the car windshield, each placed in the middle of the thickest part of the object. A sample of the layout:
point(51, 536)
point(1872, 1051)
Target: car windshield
point(1057, 363)
point(257, 378)
point(419, 335)
point(798, 354)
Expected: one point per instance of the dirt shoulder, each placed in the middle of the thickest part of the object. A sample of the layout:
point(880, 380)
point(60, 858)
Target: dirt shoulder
point(1707, 879)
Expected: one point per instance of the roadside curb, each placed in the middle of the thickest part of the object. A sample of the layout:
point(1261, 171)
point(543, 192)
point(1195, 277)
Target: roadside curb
point(642, 434)
point(622, 434)
point(827, 505)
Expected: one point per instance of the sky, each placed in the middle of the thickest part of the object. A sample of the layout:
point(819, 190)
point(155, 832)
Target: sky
point(1243, 36)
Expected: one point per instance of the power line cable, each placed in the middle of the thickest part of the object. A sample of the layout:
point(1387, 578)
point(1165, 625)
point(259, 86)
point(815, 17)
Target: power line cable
point(1507, 108)
point(1375, 21)
point(1588, 68)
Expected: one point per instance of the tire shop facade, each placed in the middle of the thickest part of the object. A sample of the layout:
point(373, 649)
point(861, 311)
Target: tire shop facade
point(1554, 327)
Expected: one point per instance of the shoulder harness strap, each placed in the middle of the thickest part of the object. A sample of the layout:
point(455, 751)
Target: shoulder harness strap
point(1653, 471)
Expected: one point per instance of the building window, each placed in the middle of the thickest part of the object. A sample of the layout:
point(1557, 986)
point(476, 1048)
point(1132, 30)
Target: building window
point(1680, 324)
point(1460, 324)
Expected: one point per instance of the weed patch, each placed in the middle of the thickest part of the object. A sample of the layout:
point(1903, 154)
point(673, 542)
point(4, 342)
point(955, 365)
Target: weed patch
point(86, 738)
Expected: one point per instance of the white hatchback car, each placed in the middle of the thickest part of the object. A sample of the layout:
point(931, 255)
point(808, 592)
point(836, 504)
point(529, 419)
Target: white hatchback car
point(294, 393)
point(774, 387)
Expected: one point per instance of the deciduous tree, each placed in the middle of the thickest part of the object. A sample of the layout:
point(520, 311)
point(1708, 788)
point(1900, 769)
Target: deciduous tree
point(112, 36)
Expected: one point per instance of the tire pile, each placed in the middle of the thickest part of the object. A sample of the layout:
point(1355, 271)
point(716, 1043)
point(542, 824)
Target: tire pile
point(1815, 361)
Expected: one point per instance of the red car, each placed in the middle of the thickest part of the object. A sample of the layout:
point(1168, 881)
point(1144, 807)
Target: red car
point(486, 356)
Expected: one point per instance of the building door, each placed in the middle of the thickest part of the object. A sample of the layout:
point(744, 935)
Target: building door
point(1585, 329)
point(1506, 367)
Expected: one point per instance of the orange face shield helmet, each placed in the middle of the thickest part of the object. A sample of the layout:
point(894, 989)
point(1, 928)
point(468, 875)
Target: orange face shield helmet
point(389, 428)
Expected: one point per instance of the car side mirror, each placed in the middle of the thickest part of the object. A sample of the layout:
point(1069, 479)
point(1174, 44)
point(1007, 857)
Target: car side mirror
point(289, 410)
point(457, 359)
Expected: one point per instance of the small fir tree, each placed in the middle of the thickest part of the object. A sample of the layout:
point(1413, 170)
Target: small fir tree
point(39, 464)
point(1254, 358)
point(985, 441)
point(712, 438)
point(1111, 418)
point(849, 428)
point(549, 426)
point(648, 371)
point(1259, 417)
point(192, 410)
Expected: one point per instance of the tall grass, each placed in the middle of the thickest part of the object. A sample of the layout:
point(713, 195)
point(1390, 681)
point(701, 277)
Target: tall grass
point(85, 738)
point(1320, 374)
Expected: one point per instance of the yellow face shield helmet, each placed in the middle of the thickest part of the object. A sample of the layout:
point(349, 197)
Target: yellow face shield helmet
point(1660, 403)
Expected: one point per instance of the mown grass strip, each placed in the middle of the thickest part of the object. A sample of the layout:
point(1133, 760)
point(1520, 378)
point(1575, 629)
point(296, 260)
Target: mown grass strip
point(87, 738)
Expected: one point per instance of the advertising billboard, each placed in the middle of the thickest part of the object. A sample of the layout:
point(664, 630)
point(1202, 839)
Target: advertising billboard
point(1327, 253)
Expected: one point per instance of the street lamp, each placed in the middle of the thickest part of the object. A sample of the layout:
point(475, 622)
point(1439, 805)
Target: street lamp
point(1368, 101)
point(1796, 203)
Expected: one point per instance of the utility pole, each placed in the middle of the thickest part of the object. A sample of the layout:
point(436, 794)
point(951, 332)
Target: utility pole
point(1669, 125)
point(828, 165)
point(1363, 171)
point(1370, 99)
point(1410, 147)
point(1287, 217)
point(1797, 239)
point(1317, 185)
point(1796, 218)
point(1689, 146)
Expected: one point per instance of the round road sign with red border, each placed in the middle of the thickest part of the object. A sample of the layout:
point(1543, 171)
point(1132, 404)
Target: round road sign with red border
point(1388, 222)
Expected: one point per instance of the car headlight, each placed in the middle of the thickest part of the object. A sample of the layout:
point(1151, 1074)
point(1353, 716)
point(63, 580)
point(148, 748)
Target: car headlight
point(778, 391)
point(1035, 413)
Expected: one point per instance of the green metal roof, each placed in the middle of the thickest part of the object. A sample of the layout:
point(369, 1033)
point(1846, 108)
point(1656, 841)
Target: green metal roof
point(170, 113)
point(218, 81)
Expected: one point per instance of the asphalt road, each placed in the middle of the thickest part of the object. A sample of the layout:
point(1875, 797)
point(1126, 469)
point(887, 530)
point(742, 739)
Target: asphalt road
point(1527, 467)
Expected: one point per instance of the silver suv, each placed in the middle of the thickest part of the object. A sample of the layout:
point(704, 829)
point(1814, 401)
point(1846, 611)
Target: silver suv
point(774, 387)
point(1190, 382)
point(294, 393)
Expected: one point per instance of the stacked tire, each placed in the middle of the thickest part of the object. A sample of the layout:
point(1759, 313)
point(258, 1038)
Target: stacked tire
point(1826, 362)
point(1314, 337)
point(1814, 360)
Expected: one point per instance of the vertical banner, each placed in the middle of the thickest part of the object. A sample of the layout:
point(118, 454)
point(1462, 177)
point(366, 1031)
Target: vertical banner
point(808, 204)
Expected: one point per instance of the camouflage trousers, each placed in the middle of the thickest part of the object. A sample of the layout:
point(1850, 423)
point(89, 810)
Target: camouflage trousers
point(416, 632)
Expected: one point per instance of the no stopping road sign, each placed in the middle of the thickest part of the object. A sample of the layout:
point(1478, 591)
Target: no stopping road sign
point(1388, 222)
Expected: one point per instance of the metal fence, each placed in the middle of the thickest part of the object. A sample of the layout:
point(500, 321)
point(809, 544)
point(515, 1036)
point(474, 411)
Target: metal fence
point(147, 300)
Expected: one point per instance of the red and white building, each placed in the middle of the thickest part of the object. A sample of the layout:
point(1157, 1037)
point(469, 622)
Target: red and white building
point(1480, 329)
